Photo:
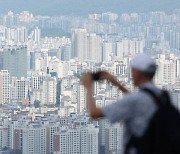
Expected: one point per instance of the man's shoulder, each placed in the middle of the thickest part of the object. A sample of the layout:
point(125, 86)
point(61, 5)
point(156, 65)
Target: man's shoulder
point(137, 98)
point(135, 95)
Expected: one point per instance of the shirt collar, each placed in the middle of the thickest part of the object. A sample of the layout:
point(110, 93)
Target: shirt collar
point(147, 85)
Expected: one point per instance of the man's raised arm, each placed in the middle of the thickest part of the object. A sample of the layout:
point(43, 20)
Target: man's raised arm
point(96, 112)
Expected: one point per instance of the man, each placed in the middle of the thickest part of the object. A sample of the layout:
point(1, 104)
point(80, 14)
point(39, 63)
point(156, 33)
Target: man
point(134, 109)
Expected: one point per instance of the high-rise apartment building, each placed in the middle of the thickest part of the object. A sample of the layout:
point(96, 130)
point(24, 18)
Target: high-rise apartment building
point(129, 47)
point(37, 35)
point(79, 44)
point(166, 73)
point(108, 51)
point(4, 87)
point(34, 140)
point(81, 140)
point(89, 139)
point(17, 35)
point(15, 61)
point(81, 104)
point(3, 137)
point(65, 52)
point(50, 131)
point(114, 138)
point(109, 17)
point(44, 90)
point(86, 46)
point(49, 91)
point(67, 142)
point(20, 88)
point(94, 47)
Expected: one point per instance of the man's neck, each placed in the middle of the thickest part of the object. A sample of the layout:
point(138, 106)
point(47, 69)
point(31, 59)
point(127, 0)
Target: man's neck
point(144, 82)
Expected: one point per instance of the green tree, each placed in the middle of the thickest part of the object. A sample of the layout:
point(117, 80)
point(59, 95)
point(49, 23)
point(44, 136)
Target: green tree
point(37, 103)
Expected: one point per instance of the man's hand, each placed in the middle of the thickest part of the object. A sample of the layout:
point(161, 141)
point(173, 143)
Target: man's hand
point(113, 80)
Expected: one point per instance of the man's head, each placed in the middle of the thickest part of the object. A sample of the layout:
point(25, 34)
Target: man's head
point(143, 69)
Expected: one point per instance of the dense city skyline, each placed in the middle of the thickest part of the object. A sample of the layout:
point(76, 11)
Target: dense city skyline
point(42, 58)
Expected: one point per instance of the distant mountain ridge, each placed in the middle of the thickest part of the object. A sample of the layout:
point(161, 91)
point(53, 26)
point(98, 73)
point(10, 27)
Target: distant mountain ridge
point(84, 7)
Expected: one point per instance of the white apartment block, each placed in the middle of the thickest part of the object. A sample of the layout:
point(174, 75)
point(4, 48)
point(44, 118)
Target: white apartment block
point(46, 93)
point(4, 87)
point(81, 140)
point(67, 142)
point(166, 73)
point(81, 104)
point(34, 140)
point(114, 138)
point(94, 47)
point(20, 89)
point(3, 137)
point(89, 139)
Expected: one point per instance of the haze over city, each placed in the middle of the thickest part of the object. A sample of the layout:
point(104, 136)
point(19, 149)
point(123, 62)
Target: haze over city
point(84, 7)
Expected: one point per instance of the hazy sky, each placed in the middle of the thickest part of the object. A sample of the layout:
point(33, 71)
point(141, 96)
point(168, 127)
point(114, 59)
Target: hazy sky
point(83, 7)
